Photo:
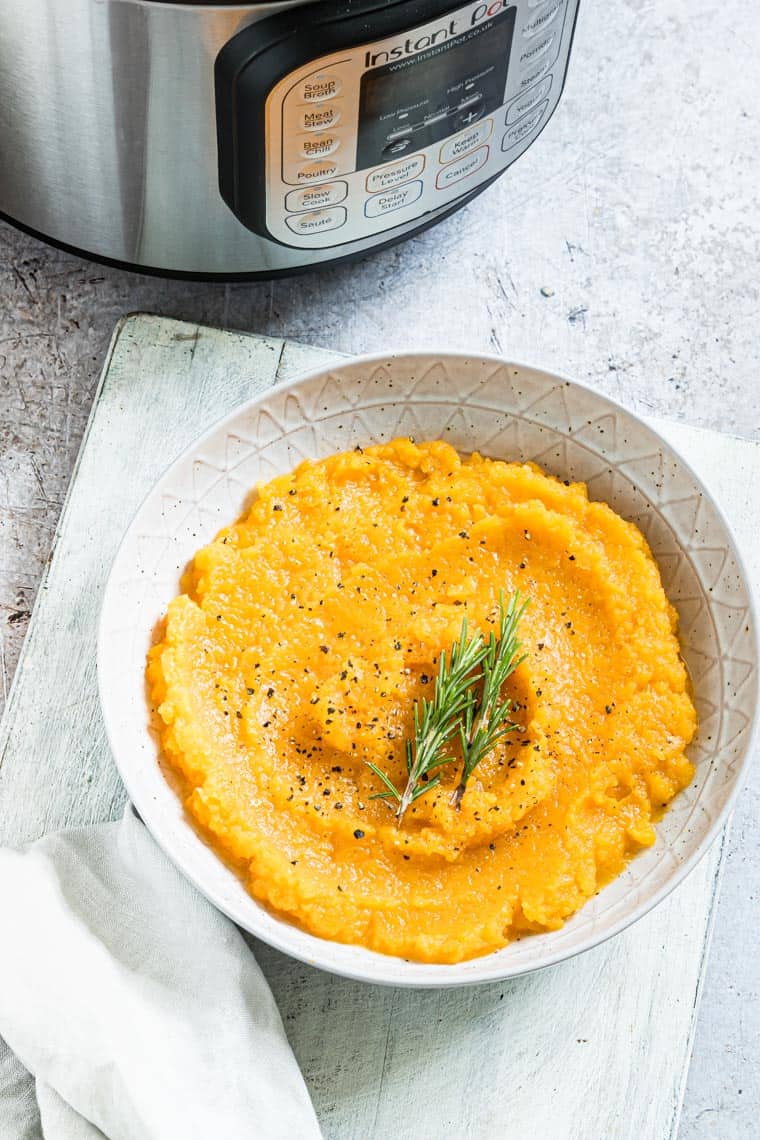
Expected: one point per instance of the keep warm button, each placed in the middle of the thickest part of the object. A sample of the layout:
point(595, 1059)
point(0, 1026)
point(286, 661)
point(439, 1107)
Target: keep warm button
point(456, 171)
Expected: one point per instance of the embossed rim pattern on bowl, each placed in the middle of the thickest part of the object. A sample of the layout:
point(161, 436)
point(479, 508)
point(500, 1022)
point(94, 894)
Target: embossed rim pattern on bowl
point(506, 410)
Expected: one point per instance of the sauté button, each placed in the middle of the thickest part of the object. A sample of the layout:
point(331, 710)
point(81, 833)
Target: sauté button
point(314, 171)
point(528, 101)
point(522, 129)
point(466, 141)
point(319, 118)
point(394, 173)
point(319, 87)
point(314, 197)
point(387, 201)
point(456, 171)
point(317, 221)
point(319, 146)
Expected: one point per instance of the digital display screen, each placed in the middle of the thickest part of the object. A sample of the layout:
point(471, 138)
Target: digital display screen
point(409, 103)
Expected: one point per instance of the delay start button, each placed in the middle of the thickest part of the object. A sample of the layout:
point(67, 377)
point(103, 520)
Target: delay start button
point(317, 221)
point(319, 87)
point(386, 202)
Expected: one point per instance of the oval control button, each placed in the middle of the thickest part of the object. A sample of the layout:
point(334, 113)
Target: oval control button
point(314, 197)
point(385, 203)
point(463, 143)
point(542, 19)
point(319, 87)
point(315, 171)
point(319, 118)
point(316, 221)
point(522, 129)
point(319, 146)
point(386, 177)
point(528, 101)
point(456, 171)
point(538, 49)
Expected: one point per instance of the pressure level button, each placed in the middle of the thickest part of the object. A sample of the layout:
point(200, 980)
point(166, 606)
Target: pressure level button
point(321, 86)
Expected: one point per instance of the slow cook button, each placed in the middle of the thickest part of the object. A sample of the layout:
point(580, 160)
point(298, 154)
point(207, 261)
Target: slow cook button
point(319, 118)
point(384, 203)
point(456, 171)
point(463, 143)
point(315, 171)
point(319, 87)
point(317, 221)
point(319, 146)
point(395, 173)
point(522, 129)
point(315, 197)
point(528, 101)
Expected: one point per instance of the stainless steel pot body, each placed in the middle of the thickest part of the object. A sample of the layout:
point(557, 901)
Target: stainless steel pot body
point(109, 133)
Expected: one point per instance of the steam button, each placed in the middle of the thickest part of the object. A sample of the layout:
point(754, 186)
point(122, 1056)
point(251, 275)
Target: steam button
point(319, 87)
point(317, 221)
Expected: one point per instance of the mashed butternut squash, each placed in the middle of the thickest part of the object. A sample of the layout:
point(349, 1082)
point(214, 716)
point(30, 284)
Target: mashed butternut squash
point(305, 632)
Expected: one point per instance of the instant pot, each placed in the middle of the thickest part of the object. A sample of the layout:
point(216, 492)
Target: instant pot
point(251, 140)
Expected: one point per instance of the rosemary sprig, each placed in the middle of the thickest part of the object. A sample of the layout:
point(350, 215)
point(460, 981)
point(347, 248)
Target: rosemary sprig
point(486, 718)
point(466, 700)
point(436, 721)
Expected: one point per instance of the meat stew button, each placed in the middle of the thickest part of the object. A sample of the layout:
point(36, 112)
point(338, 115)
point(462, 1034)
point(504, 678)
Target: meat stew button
point(317, 221)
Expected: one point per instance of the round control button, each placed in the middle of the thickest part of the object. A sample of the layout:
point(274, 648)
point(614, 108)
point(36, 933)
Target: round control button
point(315, 197)
point(319, 87)
point(316, 171)
point(319, 118)
point(317, 221)
point(398, 146)
point(319, 146)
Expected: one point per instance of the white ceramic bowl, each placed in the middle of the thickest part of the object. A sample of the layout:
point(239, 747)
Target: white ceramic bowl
point(506, 411)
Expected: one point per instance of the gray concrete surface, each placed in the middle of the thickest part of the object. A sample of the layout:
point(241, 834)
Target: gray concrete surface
point(622, 249)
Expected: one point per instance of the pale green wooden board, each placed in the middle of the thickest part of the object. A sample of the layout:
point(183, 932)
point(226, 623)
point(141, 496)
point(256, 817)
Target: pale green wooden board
point(592, 1050)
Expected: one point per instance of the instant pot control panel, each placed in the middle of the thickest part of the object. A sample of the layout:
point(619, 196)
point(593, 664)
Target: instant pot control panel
point(328, 135)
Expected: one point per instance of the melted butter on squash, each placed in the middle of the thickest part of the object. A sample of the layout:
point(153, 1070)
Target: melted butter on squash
point(305, 633)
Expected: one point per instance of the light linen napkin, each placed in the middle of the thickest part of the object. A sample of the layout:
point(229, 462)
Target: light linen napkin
point(132, 1009)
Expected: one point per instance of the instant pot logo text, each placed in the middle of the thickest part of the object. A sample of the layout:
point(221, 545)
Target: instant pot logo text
point(455, 27)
